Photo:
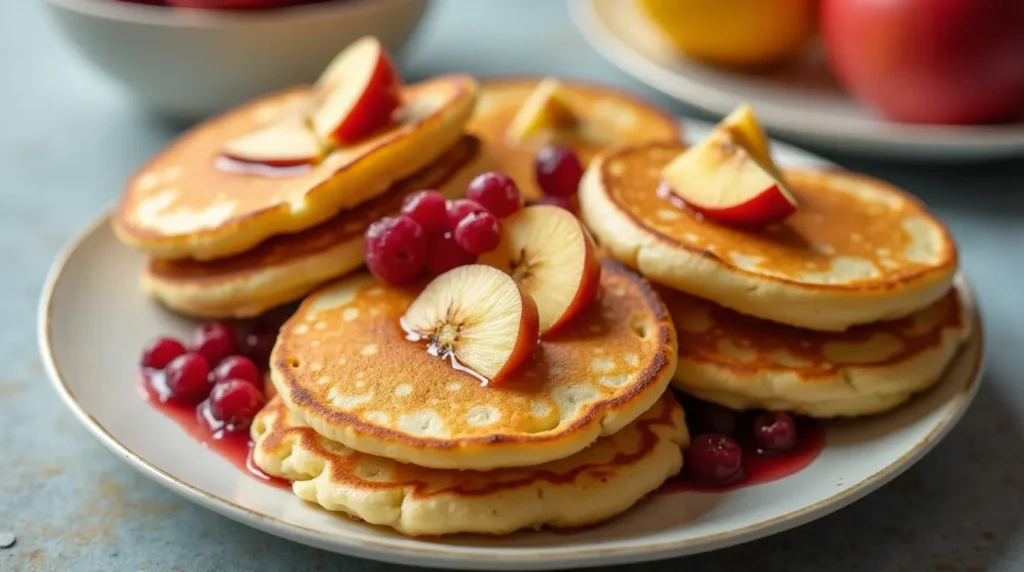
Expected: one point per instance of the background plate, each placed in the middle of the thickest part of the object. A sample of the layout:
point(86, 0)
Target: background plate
point(93, 320)
point(801, 102)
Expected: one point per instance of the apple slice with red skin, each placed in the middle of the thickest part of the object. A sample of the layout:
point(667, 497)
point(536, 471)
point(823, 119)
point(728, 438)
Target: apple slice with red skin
point(357, 94)
point(723, 181)
point(551, 255)
point(477, 317)
point(287, 144)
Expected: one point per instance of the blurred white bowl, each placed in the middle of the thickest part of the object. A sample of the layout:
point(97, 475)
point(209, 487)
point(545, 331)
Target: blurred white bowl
point(193, 63)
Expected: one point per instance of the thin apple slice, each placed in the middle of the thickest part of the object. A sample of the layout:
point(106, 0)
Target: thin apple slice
point(545, 109)
point(720, 179)
point(551, 255)
point(287, 144)
point(357, 93)
point(477, 317)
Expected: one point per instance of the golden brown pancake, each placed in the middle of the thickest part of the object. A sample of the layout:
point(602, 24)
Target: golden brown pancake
point(593, 485)
point(287, 267)
point(746, 363)
point(185, 204)
point(343, 365)
point(607, 118)
point(856, 251)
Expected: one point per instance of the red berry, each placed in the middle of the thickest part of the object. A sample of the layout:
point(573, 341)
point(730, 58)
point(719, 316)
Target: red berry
point(460, 209)
point(558, 171)
point(429, 208)
point(478, 233)
point(775, 431)
point(160, 352)
point(214, 341)
point(560, 202)
point(236, 367)
point(235, 402)
point(714, 459)
point(443, 254)
point(257, 347)
point(496, 192)
point(187, 378)
point(396, 249)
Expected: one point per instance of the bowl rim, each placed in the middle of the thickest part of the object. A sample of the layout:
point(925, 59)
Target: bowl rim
point(210, 18)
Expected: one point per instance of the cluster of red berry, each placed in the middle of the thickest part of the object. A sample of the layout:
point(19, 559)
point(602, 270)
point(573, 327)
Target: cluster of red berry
point(715, 456)
point(434, 234)
point(212, 373)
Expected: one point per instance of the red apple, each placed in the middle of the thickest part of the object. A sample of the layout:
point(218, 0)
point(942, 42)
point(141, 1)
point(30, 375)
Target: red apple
point(930, 61)
point(357, 93)
point(722, 180)
point(288, 144)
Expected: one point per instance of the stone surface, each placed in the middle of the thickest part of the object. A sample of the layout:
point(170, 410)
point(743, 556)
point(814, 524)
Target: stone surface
point(68, 139)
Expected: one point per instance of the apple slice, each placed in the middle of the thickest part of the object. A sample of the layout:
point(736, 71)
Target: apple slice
point(357, 93)
point(546, 108)
point(287, 144)
point(477, 317)
point(550, 254)
point(730, 176)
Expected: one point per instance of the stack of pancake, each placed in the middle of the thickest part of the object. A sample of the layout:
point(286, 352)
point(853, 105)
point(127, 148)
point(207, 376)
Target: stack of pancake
point(846, 308)
point(368, 423)
point(231, 241)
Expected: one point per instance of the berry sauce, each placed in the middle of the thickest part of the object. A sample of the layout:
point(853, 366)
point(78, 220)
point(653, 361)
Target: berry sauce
point(234, 446)
point(761, 466)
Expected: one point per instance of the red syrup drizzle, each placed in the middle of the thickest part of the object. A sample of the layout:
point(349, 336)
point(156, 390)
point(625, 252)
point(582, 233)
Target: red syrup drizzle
point(234, 446)
point(759, 466)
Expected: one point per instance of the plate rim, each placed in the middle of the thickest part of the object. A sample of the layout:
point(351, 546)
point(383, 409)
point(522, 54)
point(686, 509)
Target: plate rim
point(479, 557)
point(932, 141)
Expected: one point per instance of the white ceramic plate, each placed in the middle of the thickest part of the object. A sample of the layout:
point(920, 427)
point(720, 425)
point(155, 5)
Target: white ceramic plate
point(801, 102)
point(93, 320)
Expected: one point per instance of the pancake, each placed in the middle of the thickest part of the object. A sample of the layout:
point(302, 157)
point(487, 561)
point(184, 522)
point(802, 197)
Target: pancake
point(746, 363)
point(593, 485)
point(607, 118)
point(185, 204)
point(856, 251)
point(287, 267)
point(343, 365)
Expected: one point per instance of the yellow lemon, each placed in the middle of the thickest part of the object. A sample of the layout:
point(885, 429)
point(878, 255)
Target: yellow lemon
point(735, 32)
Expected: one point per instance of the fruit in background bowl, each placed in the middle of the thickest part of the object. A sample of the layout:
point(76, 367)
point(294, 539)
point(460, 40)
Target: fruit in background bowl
point(478, 317)
point(357, 93)
point(549, 253)
point(930, 61)
point(730, 177)
point(735, 32)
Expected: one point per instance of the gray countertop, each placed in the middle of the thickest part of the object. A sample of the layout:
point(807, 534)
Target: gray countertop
point(68, 138)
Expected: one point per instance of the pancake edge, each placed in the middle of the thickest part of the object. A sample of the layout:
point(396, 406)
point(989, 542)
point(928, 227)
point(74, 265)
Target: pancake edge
point(603, 417)
point(585, 500)
point(703, 274)
point(851, 391)
point(246, 295)
point(320, 202)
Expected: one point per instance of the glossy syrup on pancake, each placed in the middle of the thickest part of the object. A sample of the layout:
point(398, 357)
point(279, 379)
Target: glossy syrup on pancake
point(286, 267)
point(182, 204)
point(743, 362)
point(606, 118)
point(343, 364)
point(857, 249)
point(589, 486)
point(344, 226)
